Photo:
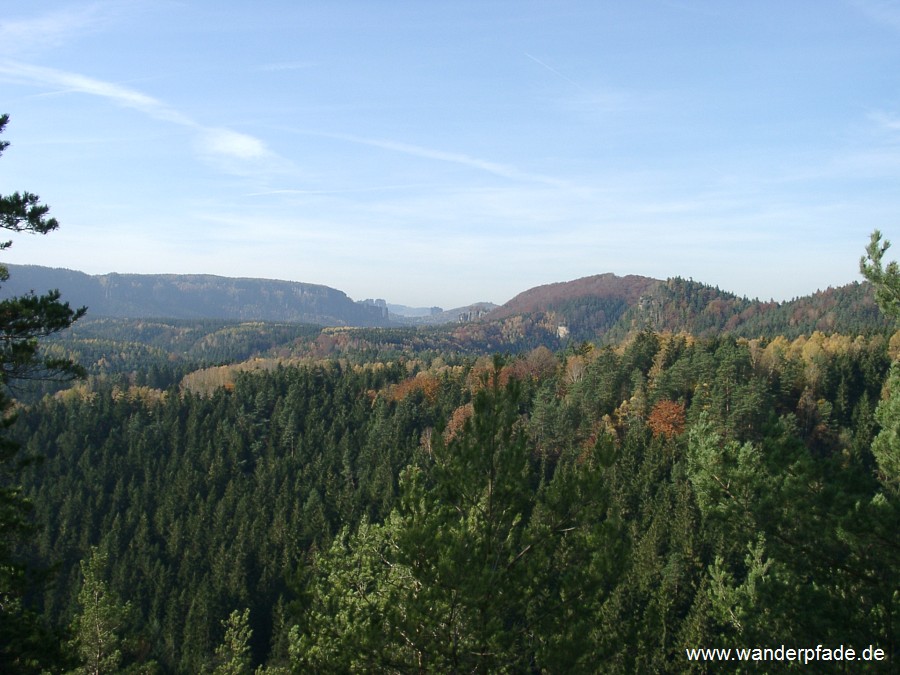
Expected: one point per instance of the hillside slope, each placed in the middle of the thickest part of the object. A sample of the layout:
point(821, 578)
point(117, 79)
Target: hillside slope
point(607, 308)
point(582, 309)
point(680, 305)
point(599, 308)
point(196, 296)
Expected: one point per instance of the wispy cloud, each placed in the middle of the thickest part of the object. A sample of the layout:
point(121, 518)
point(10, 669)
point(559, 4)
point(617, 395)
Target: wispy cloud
point(63, 82)
point(495, 168)
point(593, 99)
point(335, 191)
point(212, 141)
point(19, 36)
point(234, 144)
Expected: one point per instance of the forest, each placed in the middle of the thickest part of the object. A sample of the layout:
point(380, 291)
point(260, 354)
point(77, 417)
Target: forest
point(597, 509)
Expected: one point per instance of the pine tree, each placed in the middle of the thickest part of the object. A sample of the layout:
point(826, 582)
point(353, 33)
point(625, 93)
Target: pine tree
point(882, 514)
point(98, 628)
point(234, 652)
point(22, 321)
point(886, 279)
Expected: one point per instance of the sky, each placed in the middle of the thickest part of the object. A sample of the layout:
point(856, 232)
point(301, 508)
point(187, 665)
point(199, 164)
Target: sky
point(448, 152)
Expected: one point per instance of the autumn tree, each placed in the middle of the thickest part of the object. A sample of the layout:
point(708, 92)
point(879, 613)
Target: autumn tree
point(666, 419)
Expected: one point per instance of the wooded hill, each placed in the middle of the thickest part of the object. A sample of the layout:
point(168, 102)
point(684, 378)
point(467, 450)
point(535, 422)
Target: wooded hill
point(602, 310)
point(679, 305)
point(606, 308)
point(196, 296)
point(603, 307)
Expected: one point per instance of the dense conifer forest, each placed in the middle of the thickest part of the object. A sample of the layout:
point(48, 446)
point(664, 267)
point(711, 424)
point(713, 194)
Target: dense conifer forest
point(595, 509)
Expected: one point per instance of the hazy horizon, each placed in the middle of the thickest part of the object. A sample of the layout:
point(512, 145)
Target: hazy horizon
point(456, 152)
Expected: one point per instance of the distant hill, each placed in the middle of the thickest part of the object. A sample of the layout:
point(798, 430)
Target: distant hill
point(565, 296)
point(465, 314)
point(606, 308)
point(413, 312)
point(702, 310)
point(553, 314)
point(601, 308)
point(196, 296)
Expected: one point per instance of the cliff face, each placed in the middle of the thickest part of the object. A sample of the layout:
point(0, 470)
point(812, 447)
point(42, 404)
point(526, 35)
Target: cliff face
point(187, 296)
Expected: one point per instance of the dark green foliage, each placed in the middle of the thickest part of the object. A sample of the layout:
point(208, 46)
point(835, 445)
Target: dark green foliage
point(550, 529)
point(22, 212)
point(207, 503)
point(487, 564)
point(25, 318)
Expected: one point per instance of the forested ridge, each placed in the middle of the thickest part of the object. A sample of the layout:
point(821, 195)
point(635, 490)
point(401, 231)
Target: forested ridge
point(159, 352)
point(601, 308)
point(198, 296)
point(680, 468)
point(598, 509)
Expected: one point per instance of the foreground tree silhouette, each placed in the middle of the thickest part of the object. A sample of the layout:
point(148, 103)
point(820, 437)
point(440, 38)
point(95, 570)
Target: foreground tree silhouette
point(22, 321)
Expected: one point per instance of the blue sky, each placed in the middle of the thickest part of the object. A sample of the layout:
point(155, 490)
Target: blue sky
point(441, 153)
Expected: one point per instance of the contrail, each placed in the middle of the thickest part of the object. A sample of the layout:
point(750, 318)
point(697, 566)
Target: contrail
point(502, 170)
point(555, 72)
